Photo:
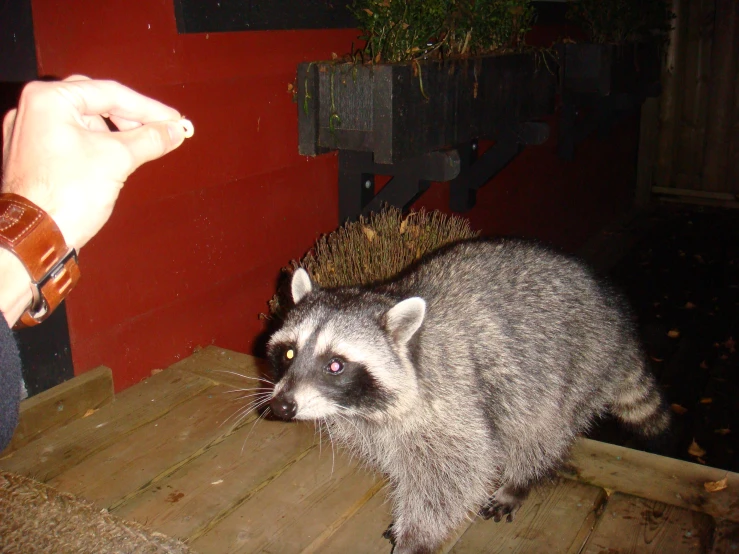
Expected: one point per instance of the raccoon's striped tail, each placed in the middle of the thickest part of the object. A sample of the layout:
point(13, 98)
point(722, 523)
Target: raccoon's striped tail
point(640, 406)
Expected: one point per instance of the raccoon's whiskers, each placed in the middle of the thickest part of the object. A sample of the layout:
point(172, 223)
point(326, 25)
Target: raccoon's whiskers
point(360, 432)
point(331, 439)
point(243, 376)
point(263, 414)
point(258, 395)
point(269, 389)
point(244, 411)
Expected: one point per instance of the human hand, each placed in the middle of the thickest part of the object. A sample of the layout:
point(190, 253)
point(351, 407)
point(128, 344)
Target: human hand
point(60, 154)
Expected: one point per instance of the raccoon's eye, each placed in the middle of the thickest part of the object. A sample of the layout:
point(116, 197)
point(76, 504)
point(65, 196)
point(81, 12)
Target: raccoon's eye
point(289, 353)
point(335, 366)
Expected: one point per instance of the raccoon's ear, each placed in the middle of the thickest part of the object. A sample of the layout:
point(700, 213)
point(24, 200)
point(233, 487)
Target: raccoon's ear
point(300, 285)
point(403, 320)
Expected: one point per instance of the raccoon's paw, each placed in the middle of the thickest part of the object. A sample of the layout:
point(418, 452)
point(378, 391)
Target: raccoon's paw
point(496, 511)
point(504, 503)
point(389, 535)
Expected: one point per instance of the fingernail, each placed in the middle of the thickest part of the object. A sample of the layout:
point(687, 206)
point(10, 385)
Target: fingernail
point(175, 131)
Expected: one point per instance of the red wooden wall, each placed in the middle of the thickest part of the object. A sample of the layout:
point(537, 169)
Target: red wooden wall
point(192, 251)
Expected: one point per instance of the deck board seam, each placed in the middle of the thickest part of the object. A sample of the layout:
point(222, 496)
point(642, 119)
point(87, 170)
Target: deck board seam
point(103, 445)
point(331, 530)
point(223, 514)
point(174, 468)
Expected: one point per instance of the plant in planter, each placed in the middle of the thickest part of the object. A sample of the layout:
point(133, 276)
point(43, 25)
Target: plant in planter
point(432, 74)
point(371, 249)
point(623, 54)
point(618, 68)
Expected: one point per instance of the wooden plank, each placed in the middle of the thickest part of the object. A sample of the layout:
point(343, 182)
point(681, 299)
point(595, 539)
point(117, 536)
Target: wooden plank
point(61, 404)
point(719, 116)
point(153, 451)
point(51, 455)
point(654, 477)
point(223, 366)
point(362, 533)
point(725, 537)
point(289, 514)
point(555, 518)
point(673, 72)
point(208, 488)
point(632, 524)
point(696, 193)
point(691, 120)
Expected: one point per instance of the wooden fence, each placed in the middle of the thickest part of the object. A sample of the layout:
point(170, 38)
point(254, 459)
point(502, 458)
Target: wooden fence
point(690, 135)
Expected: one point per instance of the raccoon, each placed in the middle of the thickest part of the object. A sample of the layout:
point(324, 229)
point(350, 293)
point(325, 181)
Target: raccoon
point(465, 380)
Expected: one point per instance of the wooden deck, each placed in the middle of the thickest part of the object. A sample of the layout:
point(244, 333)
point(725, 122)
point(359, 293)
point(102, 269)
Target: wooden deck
point(166, 453)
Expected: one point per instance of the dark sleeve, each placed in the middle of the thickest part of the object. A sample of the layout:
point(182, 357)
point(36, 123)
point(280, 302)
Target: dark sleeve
point(10, 383)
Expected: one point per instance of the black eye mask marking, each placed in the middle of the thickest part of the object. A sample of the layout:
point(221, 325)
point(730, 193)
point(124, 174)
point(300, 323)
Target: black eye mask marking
point(281, 357)
point(351, 385)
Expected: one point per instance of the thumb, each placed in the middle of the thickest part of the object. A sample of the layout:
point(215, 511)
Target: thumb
point(151, 141)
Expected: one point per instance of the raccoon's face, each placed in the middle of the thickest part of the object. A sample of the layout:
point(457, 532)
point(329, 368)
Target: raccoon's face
point(343, 353)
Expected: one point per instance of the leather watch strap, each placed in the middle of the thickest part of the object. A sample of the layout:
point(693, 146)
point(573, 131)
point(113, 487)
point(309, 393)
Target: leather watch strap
point(33, 236)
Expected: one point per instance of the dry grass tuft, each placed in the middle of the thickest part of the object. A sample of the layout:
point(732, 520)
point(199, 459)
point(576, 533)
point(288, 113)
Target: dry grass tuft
point(375, 248)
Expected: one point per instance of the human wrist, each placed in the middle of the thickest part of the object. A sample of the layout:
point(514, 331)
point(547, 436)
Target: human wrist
point(15, 294)
point(32, 236)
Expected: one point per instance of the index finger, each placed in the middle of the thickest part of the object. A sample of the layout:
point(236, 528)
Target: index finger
point(111, 98)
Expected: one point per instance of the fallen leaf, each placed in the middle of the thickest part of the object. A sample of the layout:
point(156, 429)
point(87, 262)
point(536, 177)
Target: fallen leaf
point(369, 12)
point(722, 431)
point(403, 225)
point(290, 87)
point(706, 400)
point(689, 306)
point(155, 371)
point(715, 486)
point(730, 344)
point(369, 233)
point(700, 461)
point(678, 409)
point(334, 56)
point(89, 412)
point(673, 333)
point(696, 450)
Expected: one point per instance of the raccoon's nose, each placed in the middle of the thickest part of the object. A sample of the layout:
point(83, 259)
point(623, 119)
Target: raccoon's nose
point(284, 408)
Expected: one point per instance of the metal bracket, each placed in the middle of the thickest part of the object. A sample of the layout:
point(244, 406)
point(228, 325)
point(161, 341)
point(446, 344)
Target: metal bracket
point(411, 178)
point(476, 171)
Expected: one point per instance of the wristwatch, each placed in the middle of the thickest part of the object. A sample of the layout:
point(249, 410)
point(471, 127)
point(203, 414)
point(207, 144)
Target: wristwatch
point(33, 236)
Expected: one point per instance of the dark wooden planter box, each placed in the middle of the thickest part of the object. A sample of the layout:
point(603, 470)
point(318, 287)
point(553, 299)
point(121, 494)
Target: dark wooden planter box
point(605, 68)
point(382, 108)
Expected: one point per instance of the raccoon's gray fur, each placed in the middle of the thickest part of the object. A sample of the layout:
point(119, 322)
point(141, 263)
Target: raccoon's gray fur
point(465, 380)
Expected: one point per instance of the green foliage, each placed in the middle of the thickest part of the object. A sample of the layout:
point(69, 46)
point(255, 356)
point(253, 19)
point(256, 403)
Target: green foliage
point(376, 248)
point(620, 21)
point(405, 30)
